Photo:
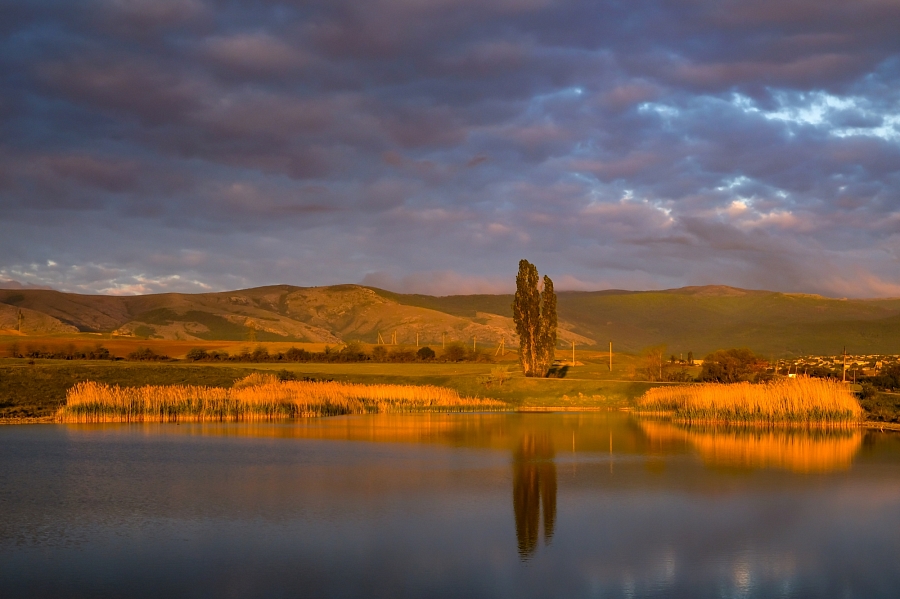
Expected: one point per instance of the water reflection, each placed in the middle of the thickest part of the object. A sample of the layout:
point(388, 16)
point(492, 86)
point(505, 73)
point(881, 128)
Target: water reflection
point(804, 450)
point(419, 506)
point(534, 491)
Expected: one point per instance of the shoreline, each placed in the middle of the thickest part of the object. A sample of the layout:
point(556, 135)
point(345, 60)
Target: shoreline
point(866, 424)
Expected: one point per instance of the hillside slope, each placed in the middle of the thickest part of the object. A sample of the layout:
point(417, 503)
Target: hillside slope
point(702, 319)
point(698, 319)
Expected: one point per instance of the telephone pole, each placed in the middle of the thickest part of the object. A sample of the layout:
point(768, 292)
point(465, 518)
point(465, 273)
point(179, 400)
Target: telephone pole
point(610, 356)
point(844, 378)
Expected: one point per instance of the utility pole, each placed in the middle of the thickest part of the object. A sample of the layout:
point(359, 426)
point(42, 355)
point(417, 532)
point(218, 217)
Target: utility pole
point(380, 339)
point(501, 349)
point(610, 356)
point(473, 343)
point(20, 318)
point(844, 378)
point(443, 345)
point(573, 354)
point(417, 338)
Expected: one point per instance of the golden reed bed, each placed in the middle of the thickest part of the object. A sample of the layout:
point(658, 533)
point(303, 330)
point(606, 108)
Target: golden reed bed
point(257, 398)
point(801, 400)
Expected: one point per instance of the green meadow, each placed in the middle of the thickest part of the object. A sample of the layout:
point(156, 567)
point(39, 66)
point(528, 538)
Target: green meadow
point(37, 390)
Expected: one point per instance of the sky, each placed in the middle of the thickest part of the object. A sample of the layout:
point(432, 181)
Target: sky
point(428, 145)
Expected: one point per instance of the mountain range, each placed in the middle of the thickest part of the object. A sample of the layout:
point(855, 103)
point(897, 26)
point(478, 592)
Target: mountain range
point(697, 319)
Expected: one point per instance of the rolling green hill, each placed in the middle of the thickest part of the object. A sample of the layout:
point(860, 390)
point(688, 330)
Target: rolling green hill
point(698, 319)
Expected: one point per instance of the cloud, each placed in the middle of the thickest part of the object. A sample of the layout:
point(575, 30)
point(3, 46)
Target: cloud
point(428, 146)
point(11, 284)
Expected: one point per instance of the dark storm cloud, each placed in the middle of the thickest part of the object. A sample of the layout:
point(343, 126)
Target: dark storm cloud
point(427, 145)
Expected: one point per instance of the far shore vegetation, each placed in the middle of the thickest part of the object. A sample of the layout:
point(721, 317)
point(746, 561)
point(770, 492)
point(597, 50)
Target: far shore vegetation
point(34, 384)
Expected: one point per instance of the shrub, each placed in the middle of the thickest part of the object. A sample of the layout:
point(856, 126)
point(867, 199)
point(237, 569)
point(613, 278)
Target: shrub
point(286, 375)
point(197, 354)
point(732, 366)
point(352, 352)
point(260, 354)
point(425, 354)
point(499, 375)
point(145, 354)
point(297, 355)
point(402, 355)
point(454, 352)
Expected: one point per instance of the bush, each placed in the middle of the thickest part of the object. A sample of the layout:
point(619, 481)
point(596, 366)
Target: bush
point(732, 366)
point(402, 355)
point(197, 354)
point(352, 352)
point(888, 378)
point(868, 391)
point(260, 354)
point(286, 375)
point(425, 354)
point(145, 354)
point(499, 375)
point(454, 352)
point(677, 376)
point(297, 355)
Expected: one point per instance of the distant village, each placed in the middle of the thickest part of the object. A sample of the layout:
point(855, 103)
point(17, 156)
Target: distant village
point(855, 366)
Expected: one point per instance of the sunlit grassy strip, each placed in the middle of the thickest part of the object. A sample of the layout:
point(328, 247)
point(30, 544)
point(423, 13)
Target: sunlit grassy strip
point(797, 400)
point(96, 402)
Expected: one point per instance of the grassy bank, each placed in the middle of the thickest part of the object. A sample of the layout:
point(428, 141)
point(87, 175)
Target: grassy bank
point(257, 397)
point(38, 390)
point(796, 400)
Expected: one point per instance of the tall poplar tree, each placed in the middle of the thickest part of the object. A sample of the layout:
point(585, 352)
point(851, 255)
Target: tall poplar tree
point(547, 344)
point(527, 315)
point(535, 316)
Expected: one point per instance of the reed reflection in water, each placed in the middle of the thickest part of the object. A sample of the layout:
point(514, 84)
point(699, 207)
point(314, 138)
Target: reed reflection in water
point(803, 450)
point(534, 491)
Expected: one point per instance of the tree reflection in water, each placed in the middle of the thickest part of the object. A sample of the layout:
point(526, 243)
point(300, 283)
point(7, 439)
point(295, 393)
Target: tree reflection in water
point(534, 485)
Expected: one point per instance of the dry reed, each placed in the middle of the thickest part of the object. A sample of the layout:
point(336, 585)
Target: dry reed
point(797, 400)
point(258, 397)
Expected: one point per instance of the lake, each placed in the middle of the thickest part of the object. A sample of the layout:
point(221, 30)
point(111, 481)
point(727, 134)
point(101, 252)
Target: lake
point(448, 505)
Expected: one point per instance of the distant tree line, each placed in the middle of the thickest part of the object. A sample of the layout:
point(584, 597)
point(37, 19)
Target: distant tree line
point(69, 352)
point(352, 352)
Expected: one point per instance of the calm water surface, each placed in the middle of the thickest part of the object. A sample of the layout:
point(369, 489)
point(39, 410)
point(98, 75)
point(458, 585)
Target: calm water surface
point(493, 505)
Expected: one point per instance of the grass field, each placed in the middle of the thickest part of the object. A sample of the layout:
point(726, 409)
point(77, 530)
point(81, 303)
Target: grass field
point(37, 390)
